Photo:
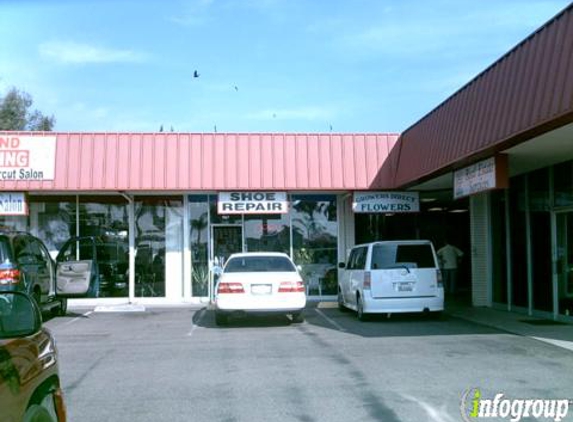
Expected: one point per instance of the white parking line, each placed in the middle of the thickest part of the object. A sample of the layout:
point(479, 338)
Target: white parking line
point(330, 320)
point(88, 313)
point(195, 326)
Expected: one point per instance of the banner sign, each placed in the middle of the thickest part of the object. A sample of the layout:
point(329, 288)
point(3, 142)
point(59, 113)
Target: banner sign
point(252, 203)
point(27, 157)
point(386, 202)
point(13, 203)
point(482, 176)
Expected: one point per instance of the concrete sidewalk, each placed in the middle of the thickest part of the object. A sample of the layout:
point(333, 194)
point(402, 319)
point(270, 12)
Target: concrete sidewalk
point(557, 333)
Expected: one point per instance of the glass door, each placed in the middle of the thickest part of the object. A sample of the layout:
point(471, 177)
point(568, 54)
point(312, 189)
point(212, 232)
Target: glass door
point(564, 263)
point(225, 240)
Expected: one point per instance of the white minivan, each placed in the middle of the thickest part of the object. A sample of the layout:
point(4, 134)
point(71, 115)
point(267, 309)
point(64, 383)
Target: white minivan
point(391, 277)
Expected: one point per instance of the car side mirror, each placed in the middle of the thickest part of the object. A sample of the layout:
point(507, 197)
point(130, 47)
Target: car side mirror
point(217, 270)
point(341, 265)
point(20, 316)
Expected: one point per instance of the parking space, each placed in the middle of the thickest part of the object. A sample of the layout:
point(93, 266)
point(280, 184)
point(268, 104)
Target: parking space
point(175, 364)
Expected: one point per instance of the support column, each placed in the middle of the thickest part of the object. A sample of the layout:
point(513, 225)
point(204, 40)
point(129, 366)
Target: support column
point(480, 249)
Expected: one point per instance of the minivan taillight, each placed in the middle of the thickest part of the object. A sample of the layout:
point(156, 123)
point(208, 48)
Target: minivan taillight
point(439, 278)
point(367, 280)
point(230, 288)
point(11, 276)
point(291, 287)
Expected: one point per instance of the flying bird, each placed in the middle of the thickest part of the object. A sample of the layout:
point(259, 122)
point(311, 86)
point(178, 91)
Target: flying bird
point(196, 74)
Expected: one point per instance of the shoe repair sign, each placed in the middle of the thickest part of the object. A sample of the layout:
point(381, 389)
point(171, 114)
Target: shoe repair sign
point(252, 203)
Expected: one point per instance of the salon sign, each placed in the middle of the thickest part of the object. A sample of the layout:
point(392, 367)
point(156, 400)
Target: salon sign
point(386, 202)
point(252, 203)
point(13, 203)
point(27, 157)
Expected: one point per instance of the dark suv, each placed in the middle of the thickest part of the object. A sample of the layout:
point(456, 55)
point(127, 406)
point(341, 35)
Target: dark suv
point(26, 265)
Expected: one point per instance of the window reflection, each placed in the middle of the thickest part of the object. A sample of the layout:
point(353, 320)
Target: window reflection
point(13, 222)
point(56, 220)
point(199, 226)
point(314, 232)
point(106, 222)
point(563, 184)
point(267, 233)
point(158, 232)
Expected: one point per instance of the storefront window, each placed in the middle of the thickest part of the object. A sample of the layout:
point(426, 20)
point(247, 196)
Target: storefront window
point(13, 222)
point(518, 242)
point(371, 227)
point(315, 241)
point(563, 184)
point(217, 218)
point(564, 264)
point(158, 245)
point(199, 227)
point(106, 219)
point(540, 227)
point(499, 245)
point(53, 220)
point(268, 233)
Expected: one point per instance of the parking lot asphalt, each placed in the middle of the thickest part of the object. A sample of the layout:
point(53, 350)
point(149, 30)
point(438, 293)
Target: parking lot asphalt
point(174, 364)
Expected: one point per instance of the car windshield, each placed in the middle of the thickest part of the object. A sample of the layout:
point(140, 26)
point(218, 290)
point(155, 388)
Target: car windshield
point(259, 264)
point(410, 256)
point(16, 316)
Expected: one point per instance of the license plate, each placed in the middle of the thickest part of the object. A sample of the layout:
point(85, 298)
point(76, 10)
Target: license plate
point(261, 289)
point(404, 287)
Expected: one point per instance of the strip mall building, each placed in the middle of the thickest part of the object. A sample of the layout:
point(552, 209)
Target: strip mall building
point(491, 168)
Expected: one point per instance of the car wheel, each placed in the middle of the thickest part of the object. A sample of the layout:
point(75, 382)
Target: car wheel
point(360, 309)
point(297, 318)
point(37, 413)
point(221, 319)
point(341, 306)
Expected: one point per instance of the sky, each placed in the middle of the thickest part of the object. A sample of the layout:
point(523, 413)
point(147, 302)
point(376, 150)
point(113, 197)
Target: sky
point(262, 65)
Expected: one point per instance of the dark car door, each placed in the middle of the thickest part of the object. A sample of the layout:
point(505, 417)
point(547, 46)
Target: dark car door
point(37, 265)
point(76, 269)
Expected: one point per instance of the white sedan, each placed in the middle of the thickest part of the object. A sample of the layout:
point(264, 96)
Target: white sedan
point(259, 283)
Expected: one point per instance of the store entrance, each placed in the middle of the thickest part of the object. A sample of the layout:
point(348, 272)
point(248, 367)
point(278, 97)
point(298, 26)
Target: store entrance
point(564, 267)
point(225, 240)
point(440, 218)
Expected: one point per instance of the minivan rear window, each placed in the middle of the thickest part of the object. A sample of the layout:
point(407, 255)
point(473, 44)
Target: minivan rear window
point(259, 264)
point(395, 256)
point(5, 249)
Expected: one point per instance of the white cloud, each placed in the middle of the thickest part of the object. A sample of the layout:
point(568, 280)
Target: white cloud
point(70, 52)
point(193, 13)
